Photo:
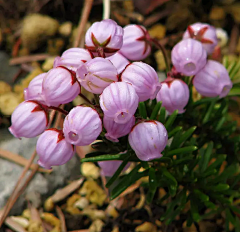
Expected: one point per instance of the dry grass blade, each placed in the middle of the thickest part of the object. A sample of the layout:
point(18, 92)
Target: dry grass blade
point(35, 216)
point(64, 192)
point(28, 59)
point(83, 20)
point(20, 160)
point(14, 225)
point(7, 207)
point(62, 219)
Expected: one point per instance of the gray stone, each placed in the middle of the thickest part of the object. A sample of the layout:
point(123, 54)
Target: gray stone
point(42, 185)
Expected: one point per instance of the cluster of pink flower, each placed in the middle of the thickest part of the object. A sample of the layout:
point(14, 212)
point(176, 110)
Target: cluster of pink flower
point(189, 58)
point(103, 68)
point(122, 86)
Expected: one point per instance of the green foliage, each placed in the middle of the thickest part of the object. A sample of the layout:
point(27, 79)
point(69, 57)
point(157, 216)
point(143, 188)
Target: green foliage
point(199, 166)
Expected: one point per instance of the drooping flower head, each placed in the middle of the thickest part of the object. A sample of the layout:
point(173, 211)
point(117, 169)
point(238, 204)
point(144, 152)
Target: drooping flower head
point(119, 61)
point(119, 101)
point(174, 95)
point(116, 130)
point(213, 80)
point(189, 57)
point(82, 126)
point(34, 89)
point(73, 58)
point(60, 86)
point(204, 33)
point(53, 149)
point(108, 168)
point(135, 42)
point(143, 78)
point(148, 139)
point(29, 119)
point(106, 35)
point(97, 74)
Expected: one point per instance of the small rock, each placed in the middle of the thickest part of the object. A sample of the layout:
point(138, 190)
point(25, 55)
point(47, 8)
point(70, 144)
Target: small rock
point(42, 184)
point(65, 29)
point(90, 170)
point(36, 29)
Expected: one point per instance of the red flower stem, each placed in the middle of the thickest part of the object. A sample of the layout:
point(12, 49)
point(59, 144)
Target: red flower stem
point(58, 109)
point(160, 47)
point(85, 98)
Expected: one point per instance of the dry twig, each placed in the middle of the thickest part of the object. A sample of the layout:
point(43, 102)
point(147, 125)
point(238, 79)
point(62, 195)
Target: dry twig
point(20, 160)
point(83, 20)
point(27, 59)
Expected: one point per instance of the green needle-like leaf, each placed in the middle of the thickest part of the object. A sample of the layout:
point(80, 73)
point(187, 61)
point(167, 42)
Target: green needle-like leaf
point(174, 131)
point(201, 195)
point(170, 177)
point(117, 173)
point(162, 115)
point(182, 150)
point(128, 180)
point(235, 91)
point(209, 112)
point(171, 120)
point(142, 110)
point(155, 111)
point(105, 158)
point(205, 157)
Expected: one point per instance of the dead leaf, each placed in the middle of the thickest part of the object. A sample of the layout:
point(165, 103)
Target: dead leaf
point(146, 227)
point(90, 170)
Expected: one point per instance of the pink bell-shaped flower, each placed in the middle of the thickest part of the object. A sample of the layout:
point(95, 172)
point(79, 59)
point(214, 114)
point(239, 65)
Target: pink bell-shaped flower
point(119, 62)
point(82, 126)
point(105, 35)
point(174, 95)
point(204, 33)
point(53, 149)
point(108, 168)
point(143, 78)
point(116, 130)
point(34, 89)
point(73, 58)
point(60, 86)
point(135, 42)
point(29, 119)
point(97, 74)
point(213, 80)
point(119, 101)
point(148, 139)
point(189, 57)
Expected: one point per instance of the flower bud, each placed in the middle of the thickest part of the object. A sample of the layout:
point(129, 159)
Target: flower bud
point(116, 130)
point(29, 119)
point(60, 86)
point(213, 80)
point(96, 75)
point(119, 61)
point(143, 78)
point(111, 166)
point(204, 33)
point(73, 58)
point(135, 42)
point(34, 89)
point(174, 95)
point(222, 37)
point(53, 149)
point(106, 35)
point(189, 57)
point(119, 101)
point(82, 126)
point(148, 139)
